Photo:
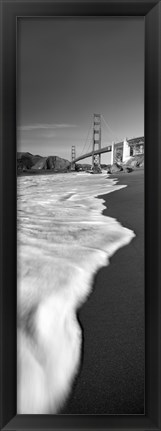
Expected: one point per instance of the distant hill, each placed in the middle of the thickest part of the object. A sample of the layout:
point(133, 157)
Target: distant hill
point(82, 167)
point(27, 162)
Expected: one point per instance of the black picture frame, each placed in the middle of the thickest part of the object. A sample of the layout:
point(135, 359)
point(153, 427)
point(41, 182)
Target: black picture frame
point(151, 10)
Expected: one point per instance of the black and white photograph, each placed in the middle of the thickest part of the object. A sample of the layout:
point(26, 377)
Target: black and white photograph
point(80, 216)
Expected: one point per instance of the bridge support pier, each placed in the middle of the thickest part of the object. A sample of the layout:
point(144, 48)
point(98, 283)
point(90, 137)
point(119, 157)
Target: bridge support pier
point(126, 150)
point(112, 153)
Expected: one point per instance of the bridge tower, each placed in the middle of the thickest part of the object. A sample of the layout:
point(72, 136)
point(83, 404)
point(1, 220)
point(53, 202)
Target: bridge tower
point(96, 159)
point(73, 156)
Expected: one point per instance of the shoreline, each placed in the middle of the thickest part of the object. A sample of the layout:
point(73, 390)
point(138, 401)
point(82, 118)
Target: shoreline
point(112, 319)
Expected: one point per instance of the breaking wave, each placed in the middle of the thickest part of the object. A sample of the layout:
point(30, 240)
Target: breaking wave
point(63, 239)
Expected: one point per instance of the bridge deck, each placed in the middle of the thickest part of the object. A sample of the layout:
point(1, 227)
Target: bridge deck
point(101, 151)
point(134, 141)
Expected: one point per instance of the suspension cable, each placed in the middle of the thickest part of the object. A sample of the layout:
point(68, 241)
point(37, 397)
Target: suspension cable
point(86, 141)
point(109, 128)
point(89, 145)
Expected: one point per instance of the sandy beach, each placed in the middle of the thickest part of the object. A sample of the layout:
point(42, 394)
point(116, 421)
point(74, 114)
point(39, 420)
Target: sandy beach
point(111, 379)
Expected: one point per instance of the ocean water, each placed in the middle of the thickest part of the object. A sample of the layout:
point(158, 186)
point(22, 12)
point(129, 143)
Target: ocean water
point(62, 240)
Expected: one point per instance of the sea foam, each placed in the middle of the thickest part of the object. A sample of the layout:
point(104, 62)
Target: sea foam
point(63, 239)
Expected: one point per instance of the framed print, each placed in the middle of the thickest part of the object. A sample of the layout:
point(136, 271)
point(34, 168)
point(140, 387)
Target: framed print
point(80, 265)
point(63, 239)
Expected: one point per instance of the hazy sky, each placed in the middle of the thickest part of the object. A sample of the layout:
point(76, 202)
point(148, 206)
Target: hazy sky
point(69, 69)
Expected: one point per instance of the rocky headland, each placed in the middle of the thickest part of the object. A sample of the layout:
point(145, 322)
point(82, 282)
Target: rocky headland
point(29, 163)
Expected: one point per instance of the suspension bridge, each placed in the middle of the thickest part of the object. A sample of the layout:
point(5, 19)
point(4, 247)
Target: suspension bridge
point(126, 147)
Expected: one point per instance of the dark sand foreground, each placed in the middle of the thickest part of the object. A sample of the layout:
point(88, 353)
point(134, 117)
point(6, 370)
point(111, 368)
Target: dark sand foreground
point(111, 380)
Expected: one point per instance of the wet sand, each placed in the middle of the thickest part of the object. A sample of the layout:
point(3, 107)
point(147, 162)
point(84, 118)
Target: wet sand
point(111, 379)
